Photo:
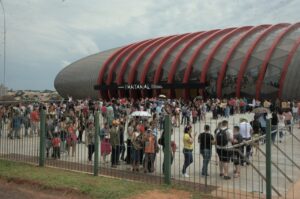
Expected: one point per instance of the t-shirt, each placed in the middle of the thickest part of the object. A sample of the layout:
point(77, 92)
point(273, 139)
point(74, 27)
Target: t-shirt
point(150, 145)
point(56, 142)
point(205, 139)
point(186, 142)
point(229, 135)
point(35, 116)
point(245, 130)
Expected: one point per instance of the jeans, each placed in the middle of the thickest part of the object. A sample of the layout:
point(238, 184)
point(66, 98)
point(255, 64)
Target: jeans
point(56, 152)
point(122, 151)
point(26, 132)
point(149, 162)
point(188, 159)
point(184, 119)
point(16, 132)
point(115, 155)
point(273, 134)
point(248, 150)
point(63, 146)
point(135, 155)
point(206, 153)
point(91, 150)
point(128, 156)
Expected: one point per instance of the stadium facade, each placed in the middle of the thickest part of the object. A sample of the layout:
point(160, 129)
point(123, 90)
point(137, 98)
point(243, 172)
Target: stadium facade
point(252, 61)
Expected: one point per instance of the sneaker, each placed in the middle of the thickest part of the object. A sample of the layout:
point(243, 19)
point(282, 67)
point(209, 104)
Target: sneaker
point(185, 175)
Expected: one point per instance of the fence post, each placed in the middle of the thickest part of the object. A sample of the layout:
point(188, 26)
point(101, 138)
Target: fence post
point(167, 150)
point(268, 161)
point(42, 138)
point(96, 158)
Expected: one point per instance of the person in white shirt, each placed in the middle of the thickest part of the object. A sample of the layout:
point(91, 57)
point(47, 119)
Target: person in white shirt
point(295, 113)
point(246, 132)
point(281, 124)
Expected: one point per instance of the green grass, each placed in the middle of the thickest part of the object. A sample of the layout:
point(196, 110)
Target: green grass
point(95, 187)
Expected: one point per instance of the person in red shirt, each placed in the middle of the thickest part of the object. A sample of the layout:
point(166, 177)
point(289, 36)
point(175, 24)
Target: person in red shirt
point(71, 139)
point(56, 146)
point(35, 120)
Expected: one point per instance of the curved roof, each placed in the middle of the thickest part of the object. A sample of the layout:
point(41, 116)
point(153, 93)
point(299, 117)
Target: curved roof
point(260, 61)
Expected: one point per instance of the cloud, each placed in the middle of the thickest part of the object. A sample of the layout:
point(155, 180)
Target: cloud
point(43, 36)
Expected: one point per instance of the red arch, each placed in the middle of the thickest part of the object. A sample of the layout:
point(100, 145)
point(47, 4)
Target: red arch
point(158, 71)
point(167, 53)
point(196, 52)
point(153, 55)
point(105, 65)
point(130, 55)
point(183, 50)
point(216, 48)
point(269, 54)
point(139, 58)
point(286, 66)
point(249, 53)
point(230, 53)
point(116, 61)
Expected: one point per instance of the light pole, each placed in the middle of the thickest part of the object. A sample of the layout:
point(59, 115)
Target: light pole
point(4, 47)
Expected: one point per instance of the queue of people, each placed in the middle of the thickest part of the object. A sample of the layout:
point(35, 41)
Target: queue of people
point(136, 140)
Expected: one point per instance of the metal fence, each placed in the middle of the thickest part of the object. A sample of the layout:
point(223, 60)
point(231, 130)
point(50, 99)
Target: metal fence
point(270, 170)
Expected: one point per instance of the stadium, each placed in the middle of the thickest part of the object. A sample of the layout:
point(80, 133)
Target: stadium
point(259, 62)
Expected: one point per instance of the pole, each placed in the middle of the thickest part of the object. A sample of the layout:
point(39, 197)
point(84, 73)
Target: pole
point(4, 47)
point(96, 159)
point(42, 138)
point(268, 161)
point(167, 150)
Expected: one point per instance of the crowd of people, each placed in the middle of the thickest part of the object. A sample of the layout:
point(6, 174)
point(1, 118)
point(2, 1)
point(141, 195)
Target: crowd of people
point(136, 140)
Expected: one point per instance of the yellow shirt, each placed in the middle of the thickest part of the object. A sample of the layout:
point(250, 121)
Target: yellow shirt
point(186, 142)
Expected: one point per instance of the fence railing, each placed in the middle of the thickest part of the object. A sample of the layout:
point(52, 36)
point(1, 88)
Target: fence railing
point(262, 167)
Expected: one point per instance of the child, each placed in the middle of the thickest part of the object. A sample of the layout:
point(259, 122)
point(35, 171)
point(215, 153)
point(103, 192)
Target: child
point(237, 137)
point(56, 146)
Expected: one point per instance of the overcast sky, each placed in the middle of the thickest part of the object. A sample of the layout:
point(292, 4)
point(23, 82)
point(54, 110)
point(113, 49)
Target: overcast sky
point(44, 36)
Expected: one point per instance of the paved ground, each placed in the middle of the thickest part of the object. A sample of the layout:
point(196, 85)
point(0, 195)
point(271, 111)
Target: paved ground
point(251, 180)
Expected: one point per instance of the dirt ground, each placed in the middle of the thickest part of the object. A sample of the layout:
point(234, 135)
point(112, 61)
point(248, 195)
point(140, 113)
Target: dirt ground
point(11, 190)
point(171, 194)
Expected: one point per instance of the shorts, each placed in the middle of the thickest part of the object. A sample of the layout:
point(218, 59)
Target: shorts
point(224, 155)
point(236, 158)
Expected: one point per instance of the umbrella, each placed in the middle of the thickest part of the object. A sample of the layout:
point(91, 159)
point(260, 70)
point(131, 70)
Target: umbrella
point(162, 96)
point(141, 114)
point(260, 110)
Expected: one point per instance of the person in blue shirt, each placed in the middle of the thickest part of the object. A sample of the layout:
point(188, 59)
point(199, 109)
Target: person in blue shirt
point(16, 125)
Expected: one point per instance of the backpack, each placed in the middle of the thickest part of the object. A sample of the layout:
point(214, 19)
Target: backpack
point(221, 137)
point(161, 140)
